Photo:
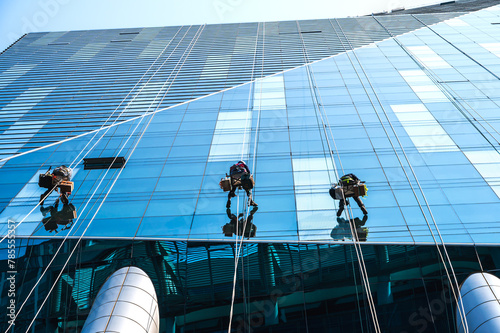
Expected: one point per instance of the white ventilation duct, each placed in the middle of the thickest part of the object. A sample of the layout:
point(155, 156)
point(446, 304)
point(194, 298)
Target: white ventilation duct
point(126, 302)
point(480, 295)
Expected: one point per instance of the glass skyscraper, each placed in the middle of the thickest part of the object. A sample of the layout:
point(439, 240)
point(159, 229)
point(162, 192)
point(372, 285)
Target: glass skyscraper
point(409, 102)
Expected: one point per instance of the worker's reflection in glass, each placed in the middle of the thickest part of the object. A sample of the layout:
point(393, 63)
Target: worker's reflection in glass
point(56, 218)
point(343, 231)
point(237, 225)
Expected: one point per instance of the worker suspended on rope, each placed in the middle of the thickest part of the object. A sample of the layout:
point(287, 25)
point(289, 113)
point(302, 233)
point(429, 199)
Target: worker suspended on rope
point(237, 224)
point(349, 186)
point(239, 177)
point(58, 180)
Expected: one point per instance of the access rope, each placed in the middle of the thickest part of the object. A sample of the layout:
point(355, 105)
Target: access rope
point(354, 53)
point(109, 117)
point(406, 175)
point(457, 298)
point(134, 97)
point(104, 199)
point(195, 38)
point(198, 33)
point(450, 93)
point(441, 84)
point(245, 216)
point(356, 243)
point(114, 122)
point(138, 117)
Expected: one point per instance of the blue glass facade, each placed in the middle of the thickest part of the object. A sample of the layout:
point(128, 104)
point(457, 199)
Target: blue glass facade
point(410, 107)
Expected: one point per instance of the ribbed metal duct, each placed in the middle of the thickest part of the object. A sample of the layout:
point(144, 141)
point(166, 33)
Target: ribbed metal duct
point(480, 295)
point(125, 303)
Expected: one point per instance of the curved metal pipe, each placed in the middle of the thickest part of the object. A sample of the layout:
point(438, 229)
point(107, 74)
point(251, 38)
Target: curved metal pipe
point(126, 302)
point(480, 298)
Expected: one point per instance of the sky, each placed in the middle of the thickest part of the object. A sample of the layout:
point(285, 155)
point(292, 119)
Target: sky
point(21, 16)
